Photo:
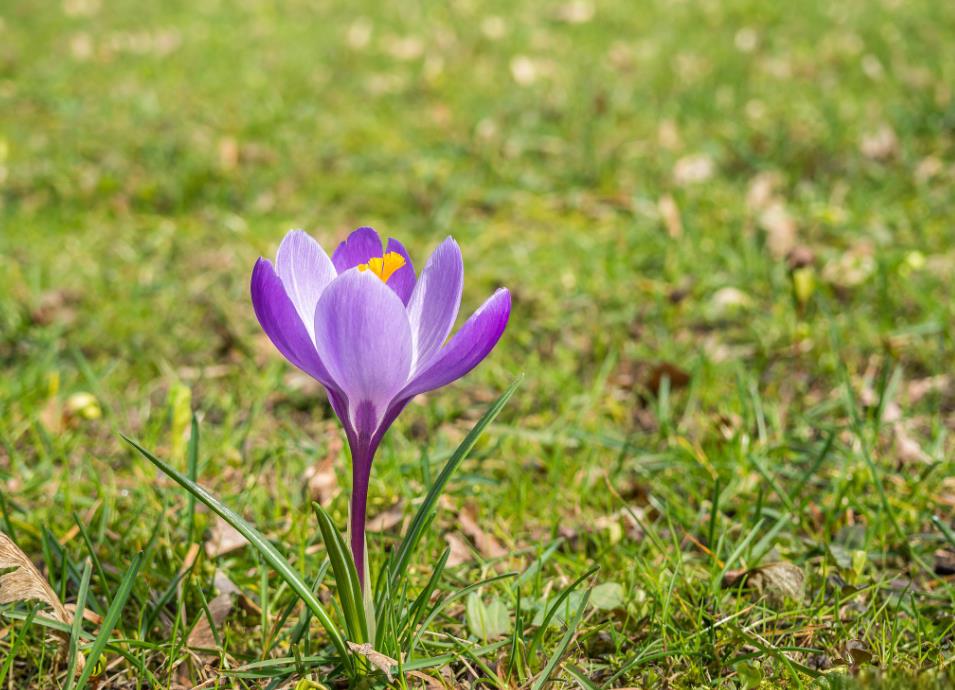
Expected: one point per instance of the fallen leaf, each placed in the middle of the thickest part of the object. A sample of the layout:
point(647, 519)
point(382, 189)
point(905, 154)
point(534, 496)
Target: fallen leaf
point(727, 300)
point(430, 681)
point(668, 134)
point(762, 190)
point(881, 144)
point(945, 562)
point(800, 256)
point(460, 553)
point(524, 70)
point(486, 544)
point(857, 653)
point(576, 12)
point(780, 228)
point(224, 539)
point(908, 448)
point(321, 479)
point(670, 215)
point(386, 519)
point(777, 581)
point(919, 388)
point(228, 153)
point(383, 663)
point(678, 377)
point(693, 169)
point(24, 582)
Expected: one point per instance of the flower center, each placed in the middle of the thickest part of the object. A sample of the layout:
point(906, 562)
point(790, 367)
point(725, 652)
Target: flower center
point(384, 266)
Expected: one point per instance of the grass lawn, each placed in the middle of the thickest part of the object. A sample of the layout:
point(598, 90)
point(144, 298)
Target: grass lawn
point(729, 233)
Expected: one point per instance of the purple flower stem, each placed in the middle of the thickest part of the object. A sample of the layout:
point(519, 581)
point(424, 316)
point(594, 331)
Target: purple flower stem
point(361, 469)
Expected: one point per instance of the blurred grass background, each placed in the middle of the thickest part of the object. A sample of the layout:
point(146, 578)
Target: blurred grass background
point(712, 216)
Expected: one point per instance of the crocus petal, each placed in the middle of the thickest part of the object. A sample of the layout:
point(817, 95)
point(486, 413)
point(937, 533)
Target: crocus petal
point(435, 301)
point(471, 344)
point(306, 271)
point(361, 245)
point(403, 280)
point(363, 338)
point(281, 322)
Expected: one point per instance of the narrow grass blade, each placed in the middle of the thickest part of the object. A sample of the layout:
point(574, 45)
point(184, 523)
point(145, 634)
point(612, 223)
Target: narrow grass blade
point(558, 652)
point(77, 628)
point(421, 601)
point(192, 468)
point(413, 536)
point(262, 545)
point(100, 573)
point(111, 619)
point(15, 647)
point(581, 677)
point(539, 634)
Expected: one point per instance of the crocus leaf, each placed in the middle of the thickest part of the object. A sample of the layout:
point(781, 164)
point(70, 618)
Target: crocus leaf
point(262, 545)
point(559, 650)
point(110, 620)
point(400, 563)
point(346, 576)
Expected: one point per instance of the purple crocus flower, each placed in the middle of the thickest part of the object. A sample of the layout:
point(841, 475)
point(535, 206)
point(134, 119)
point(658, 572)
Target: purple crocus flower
point(372, 333)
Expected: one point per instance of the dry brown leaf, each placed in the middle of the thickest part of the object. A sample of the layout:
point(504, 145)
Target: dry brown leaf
point(919, 388)
point(321, 479)
point(693, 169)
point(576, 12)
point(678, 377)
point(487, 545)
point(881, 144)
point(24, 582)
point(780, 228)
point(762, 190)
point(430, 681)
point(945, 562)
point(907, 447)
point(857, 653)
point(460, 553)
point(670, 215)
point(383, 663)
point(225, 539)
point(778, 581)
point(386, 519)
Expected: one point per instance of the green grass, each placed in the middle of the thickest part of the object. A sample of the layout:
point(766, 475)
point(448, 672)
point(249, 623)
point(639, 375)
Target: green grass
point(693, 405)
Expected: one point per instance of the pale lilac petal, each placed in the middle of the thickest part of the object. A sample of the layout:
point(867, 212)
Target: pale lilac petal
point(363, 338)
point(361, 245)
point(403, 280)
point(435, 302)
point(471, 344)
point(281, 322)
point(306, 271)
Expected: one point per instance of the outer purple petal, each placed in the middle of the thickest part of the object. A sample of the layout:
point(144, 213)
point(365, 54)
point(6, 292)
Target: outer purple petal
point(403, 280)
point(281, 322)
point(435, 301)
point(363, 338)
point(360, 246)
point(306, 271)
point(471, 344)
